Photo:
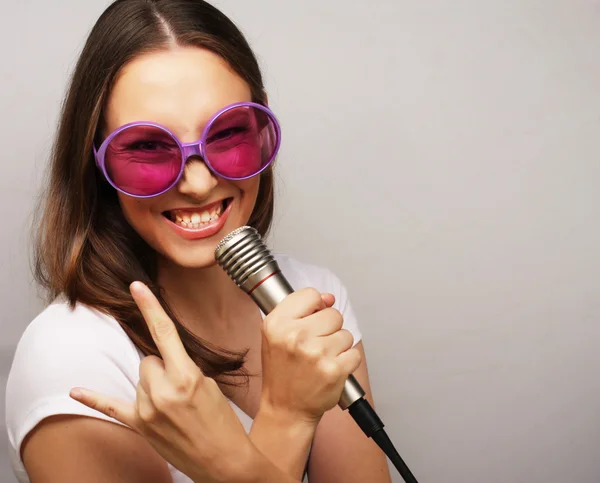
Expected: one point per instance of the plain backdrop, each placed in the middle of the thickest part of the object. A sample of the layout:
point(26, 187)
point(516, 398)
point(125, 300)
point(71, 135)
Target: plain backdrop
point(443, 159)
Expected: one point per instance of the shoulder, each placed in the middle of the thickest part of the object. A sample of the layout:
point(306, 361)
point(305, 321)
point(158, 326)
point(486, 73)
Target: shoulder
point(67, 326)
point(63, 334)
point(302, 274)
point(60, 349)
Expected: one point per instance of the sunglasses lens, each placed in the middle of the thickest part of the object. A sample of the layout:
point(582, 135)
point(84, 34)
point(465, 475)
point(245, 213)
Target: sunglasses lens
point(143, 160)
point(241, 142)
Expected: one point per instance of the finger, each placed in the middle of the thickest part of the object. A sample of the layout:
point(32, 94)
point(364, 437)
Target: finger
point(325, 322)
point(161, 327)
point(300, 304)
point(350, 360)
point(152, 370)
point(112, 407)
point(328, 299)
point(336, 343)
point(145, 408)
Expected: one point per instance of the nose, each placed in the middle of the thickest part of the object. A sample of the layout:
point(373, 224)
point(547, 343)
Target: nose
point(197, 181)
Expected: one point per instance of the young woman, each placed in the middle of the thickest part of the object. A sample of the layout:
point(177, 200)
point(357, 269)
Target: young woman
point(150, 365)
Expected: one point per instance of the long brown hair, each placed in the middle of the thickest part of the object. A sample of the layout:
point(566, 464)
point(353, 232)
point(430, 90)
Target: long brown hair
point(84, 247)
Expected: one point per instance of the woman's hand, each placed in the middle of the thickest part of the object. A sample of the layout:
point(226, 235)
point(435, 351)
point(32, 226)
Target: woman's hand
point(306, 359)
point(183, 414)
point(306, 356)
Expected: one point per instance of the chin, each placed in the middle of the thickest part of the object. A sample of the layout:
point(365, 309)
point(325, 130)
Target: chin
point(190, 253)
point(190, 259)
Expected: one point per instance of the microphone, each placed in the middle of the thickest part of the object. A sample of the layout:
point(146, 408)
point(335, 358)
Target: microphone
point(249, 263)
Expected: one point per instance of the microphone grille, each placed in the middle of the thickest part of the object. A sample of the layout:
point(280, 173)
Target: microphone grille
point(243, 253)
point(240, 232)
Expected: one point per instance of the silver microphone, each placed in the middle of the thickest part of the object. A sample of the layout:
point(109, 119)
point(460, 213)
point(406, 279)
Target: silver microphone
point(250, 264)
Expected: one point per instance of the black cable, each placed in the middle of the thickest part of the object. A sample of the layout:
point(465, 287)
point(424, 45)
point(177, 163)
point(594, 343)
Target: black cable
point(383, 441)
point(366, 417)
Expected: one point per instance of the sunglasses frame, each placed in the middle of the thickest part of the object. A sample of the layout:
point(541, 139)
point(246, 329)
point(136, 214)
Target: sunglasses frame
point(187, 149)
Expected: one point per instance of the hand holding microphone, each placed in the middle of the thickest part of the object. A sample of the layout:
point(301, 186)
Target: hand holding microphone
point(250, 264)
point(303, 339)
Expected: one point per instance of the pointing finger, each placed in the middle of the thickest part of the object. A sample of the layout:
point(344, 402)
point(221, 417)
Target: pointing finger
point(162, 328)
point(112, 407)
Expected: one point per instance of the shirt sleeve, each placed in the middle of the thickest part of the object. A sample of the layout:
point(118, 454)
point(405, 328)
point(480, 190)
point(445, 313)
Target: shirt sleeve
point(62, 349)
point(343, 304)
point(302, 275)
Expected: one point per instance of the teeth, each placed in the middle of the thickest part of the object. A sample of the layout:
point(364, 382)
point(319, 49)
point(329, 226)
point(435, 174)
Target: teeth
point(197, 219)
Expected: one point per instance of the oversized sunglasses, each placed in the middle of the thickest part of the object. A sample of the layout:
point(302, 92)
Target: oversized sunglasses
point(145, 159)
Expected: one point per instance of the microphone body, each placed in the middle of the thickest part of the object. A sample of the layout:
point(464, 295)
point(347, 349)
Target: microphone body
point(250, 264)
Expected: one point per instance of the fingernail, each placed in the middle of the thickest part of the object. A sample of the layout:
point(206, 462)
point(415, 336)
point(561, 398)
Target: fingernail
point(77, 393)
point(136, 287)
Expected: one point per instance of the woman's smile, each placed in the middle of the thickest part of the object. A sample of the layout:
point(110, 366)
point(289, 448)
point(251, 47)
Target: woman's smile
point(199, 222)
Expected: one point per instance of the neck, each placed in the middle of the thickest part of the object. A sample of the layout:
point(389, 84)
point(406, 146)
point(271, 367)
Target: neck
point(206, 299)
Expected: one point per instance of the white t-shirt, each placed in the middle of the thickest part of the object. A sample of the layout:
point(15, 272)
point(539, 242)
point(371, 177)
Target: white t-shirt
point(63, 348)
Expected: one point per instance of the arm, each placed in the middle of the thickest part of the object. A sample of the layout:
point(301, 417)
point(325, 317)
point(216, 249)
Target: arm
point(341, 452)
point(71, 449)
point(283, 440)
point(306, 360)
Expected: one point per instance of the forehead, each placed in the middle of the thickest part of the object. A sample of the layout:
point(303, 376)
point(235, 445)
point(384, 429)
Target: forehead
point(180, 88)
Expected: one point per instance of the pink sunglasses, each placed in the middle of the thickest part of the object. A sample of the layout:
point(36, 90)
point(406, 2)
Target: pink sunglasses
point(145, 159)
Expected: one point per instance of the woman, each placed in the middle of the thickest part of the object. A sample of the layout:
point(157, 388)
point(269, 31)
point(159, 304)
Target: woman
point(183, 378)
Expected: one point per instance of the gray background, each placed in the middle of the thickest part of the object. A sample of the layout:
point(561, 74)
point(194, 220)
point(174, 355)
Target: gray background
point(443, 158)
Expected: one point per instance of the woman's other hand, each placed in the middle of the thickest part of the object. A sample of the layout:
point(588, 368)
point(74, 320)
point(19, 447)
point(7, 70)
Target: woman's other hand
point(183, 414)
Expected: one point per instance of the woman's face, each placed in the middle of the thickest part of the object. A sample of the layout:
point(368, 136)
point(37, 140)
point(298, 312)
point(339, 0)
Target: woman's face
point(182, 89)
